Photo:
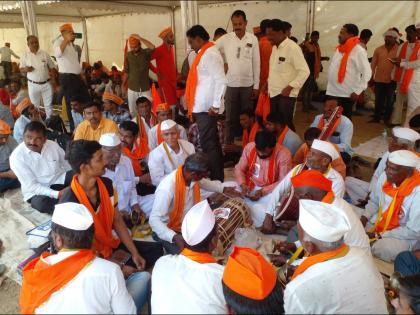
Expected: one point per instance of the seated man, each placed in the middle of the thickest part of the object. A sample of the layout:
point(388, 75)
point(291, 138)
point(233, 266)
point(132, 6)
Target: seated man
point(170, 154)
point(250, 284)
point(194, 274)
point(27, 112)
point(176, 195)
point(401, 139)
point(17, 95)
point(341, 279)
point(263, 164)
point(112, 108)
point(342, 131)
point(41, 168)
point(319, 158)
point(74, 280)
point(163, 112)
point(96, 193)
point(285, 136)
point(310, 135)
point(76, 109)
point(118, 169)
point(144, 109)
point(94, 125)
point(393, 209)
point(8, 179)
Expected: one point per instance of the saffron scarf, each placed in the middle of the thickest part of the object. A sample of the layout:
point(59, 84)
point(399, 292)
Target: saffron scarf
point(263, 106)
point(41, 280)
point(283, 135)
point(321, 125)
point(102, 220)
point(192, 80)
point(346, 49)
point(159, 137)
point(175, 215)
point(389, 219)
point(408, 74)
point(249, 137)
point(201, 258)
point(271, 168)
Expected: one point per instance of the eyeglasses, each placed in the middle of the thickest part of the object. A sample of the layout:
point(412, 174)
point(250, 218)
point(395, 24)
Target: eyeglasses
point(238, 53)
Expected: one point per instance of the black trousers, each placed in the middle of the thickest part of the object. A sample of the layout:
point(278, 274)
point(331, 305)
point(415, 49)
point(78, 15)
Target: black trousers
point(307, 91)
point(150, 251)
point(46, 204)
point(209, 139)
point(7, 66)
point(71, 85)
point(384, 100)
point(284, 106)
point(345, 102)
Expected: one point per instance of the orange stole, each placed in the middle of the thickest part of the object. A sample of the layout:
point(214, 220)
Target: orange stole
point(328, 198)
point(192, 79)
point(282, 135)
point(247, 138)
point(271, 168)
point(41, 280)
point(319, 258)
point(201, 258)
point(390, 218)
point(159, 137)
point(408, 74)
point(263, 106)
point(103, 219)
point(321, 125)
point(175, 215)
point(346, 49)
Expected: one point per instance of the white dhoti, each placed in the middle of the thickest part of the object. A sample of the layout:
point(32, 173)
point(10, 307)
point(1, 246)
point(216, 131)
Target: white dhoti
point(146, 203)
point(356, 189)
point(388, 248)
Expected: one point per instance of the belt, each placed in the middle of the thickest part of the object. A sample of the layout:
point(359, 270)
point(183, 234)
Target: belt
point(38, 82)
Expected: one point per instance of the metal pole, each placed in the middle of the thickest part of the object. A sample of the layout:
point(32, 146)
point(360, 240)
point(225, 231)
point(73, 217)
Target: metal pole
point(174, 30)
point(85, 40)
point(24, 16)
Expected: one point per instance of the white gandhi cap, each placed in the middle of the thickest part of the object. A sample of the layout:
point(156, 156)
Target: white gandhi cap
point(406, 133)
point(109, 140)
point(326, 147)
point(198, 223)
point(167, 124)
point(404, 158)
point(73, 216)
point(322, 221)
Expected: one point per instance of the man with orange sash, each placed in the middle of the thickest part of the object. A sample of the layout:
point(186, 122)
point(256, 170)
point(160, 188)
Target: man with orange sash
point(285, 136)
point(250, 284)
point(392, 214)
point(349, 71)
point(144, 112)
point(74, 280)
point(263, 164)
point(340, 278)
point(176, 194)
point(341, 132)
point(194, 274)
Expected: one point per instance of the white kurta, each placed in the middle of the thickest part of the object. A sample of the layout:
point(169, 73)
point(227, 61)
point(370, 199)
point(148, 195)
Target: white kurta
point(98, 289)
point(413, 95)
point(183, 286)
point(152, 136)
point(346, 285)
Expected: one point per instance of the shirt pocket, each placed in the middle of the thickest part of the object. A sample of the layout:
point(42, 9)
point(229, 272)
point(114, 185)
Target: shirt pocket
point(247, 51)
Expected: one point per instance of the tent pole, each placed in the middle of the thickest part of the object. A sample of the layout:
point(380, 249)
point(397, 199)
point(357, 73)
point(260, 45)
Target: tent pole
point(29, 17)
point(189, 16)
point(86, 47)
point(174, 30)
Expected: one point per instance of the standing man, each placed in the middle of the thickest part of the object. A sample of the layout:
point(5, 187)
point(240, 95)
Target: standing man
point(349, 71)
point(136, 67)
point(165, 67)
point(205, 87)
point(288, 72)
point(69, 69)
point(365, 36)
point(36, 64)
point(382, 69)
point(265, 53)
point(6, 59)
point(242, 54)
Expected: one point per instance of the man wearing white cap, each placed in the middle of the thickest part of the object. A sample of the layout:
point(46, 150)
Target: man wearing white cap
point(155, 133)
point(392, 214)
point(401, 139)
point(170, 154)
point(118, 168)
point(341, 279)
point(319, 158)
point(191, 282)
point(74, 280)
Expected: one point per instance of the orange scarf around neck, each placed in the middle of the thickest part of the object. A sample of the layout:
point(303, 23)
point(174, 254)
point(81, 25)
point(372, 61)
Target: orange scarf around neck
point(328, 198)
point(249, 137)
point(321, 125)
point(41, 280)
point(389, 219)
point(192, 80)
point(103, 220)
point(408, 73)
point(346, 49)
point(319, 258)
point(176, 214)
point(282, 136)
point(201, 258)
point(271, 168)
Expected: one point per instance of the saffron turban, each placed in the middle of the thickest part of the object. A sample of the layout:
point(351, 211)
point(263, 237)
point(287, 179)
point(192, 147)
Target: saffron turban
point(4, 128)
point(162, 107)
point(25, 103)
point(134, 39)
point(66, 27)
point(113, 98)
point(165, 32)
point(312, 178)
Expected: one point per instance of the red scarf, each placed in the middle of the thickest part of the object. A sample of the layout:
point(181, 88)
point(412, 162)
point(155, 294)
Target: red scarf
point(408, 74)
point(346, 49)
point(271, 168)
point(321, 125)
point(247, 138)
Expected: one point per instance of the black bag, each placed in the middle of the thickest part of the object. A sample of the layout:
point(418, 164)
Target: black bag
point(57, 132)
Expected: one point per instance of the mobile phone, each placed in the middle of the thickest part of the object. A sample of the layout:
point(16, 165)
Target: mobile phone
point(78, 35)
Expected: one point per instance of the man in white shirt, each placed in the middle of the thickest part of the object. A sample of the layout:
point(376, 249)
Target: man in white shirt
point(40, 166)
point(6, 59)
point(346, 282)
point(175, 196)
point(69, 68)
point(170, 154)
point(348, 78)
point(242, 55)
point(205, 88)
point(74, 280)
point(36, 64)
point(191, 282)
point(287, 73)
